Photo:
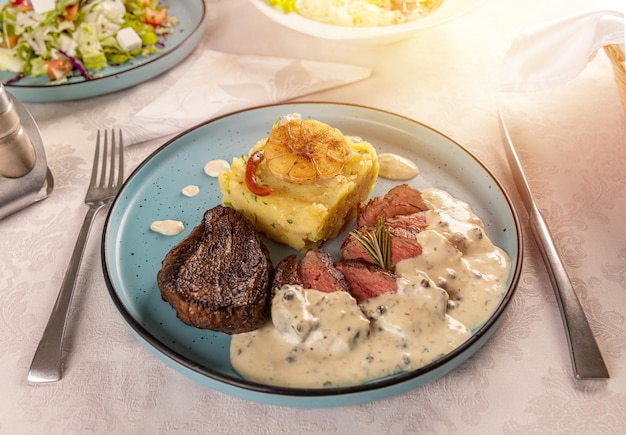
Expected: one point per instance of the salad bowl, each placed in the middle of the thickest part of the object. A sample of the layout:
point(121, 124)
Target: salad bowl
point(177, 46)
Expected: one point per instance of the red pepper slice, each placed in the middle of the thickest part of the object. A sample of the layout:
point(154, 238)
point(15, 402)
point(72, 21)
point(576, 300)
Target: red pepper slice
point(251, 181)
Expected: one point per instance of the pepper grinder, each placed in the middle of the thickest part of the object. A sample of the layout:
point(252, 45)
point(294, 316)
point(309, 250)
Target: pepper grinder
point(17, 154)
point(24, 174)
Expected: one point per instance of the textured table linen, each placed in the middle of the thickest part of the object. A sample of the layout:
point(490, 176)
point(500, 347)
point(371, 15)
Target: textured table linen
point(217, 83)
point(571, 140)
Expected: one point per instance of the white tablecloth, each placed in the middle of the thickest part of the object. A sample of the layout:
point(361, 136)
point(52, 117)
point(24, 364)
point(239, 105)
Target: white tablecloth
point(571, 139)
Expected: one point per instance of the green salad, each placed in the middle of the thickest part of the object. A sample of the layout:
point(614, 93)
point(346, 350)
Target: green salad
point(65, 38)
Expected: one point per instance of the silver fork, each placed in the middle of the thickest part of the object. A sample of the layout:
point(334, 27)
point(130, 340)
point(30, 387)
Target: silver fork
point(106, 180)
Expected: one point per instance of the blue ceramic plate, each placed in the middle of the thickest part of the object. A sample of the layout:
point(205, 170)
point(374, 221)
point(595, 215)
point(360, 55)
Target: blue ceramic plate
point(186, 36)
point(132, 254)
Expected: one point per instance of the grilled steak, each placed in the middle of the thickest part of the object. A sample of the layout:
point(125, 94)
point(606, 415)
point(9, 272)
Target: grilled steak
point(286, 272)
point(367, 280)
point(219, 276)
point(317, 271)
point(400, 200)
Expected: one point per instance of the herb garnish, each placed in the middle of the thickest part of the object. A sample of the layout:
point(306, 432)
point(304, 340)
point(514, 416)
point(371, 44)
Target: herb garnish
point(377, 243)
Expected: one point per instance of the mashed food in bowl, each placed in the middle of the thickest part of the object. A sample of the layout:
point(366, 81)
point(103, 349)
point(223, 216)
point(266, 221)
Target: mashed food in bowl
point(363, 13)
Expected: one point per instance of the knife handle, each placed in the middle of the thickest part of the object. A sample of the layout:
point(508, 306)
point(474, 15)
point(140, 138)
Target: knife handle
point(586, 357)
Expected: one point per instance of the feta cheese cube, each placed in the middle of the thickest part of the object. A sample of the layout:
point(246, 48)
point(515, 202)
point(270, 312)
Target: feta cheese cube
point(43, 6)
point(128, 39)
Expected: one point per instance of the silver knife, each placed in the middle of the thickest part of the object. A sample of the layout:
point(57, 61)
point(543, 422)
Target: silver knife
point(587, 360)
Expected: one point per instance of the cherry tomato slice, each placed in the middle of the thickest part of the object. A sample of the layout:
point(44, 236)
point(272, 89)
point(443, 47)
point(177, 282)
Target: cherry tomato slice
point(57, 68)
point(155, 18)
point(10, 41)
point(70, 12)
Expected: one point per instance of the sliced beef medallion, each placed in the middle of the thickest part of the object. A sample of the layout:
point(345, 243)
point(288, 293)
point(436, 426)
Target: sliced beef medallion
point(413, 220)
point(403, 243)
point(367, 280)
point(400, 200)
point(317, 271)
point(219, 276)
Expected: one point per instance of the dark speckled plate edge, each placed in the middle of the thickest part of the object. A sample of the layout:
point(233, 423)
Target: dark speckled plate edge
point(218, 138)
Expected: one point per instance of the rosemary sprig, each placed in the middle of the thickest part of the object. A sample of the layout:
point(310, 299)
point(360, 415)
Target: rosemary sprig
point(377, 243)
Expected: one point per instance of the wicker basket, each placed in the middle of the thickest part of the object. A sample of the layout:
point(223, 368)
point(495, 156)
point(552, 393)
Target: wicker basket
point(616, 54)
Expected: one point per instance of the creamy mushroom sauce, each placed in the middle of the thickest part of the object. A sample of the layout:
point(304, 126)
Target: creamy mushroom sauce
point(317, 339)
point(190, 191)
point(214, 168)
point(396, 167)
point(167, 227)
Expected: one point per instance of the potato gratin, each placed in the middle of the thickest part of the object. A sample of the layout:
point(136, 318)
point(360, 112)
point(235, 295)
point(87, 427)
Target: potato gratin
point(302, 183)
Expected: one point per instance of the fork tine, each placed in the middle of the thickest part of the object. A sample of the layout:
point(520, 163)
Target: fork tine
point(112, 169)
point(120, 176)
point(96, 154)
point(103, 172)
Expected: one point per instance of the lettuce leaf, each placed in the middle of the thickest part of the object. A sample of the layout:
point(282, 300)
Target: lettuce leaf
point(89, 47)
point(10, 61)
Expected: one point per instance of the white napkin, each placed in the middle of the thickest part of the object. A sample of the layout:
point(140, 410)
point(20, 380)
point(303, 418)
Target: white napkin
point(219, 83)
point(555, 52)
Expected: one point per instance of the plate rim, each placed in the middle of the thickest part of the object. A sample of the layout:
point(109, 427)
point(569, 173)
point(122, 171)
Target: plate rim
point(24, 92)
point(329, 31)
point(311, 393)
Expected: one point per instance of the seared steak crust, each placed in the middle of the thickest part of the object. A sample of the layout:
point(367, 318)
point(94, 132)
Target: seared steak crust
point(219, 276)
point(286, 272)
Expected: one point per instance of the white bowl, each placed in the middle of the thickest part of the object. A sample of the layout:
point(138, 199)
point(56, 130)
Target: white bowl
point(449, 10)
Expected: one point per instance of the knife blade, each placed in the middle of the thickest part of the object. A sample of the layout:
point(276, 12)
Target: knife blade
point(587, 361)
